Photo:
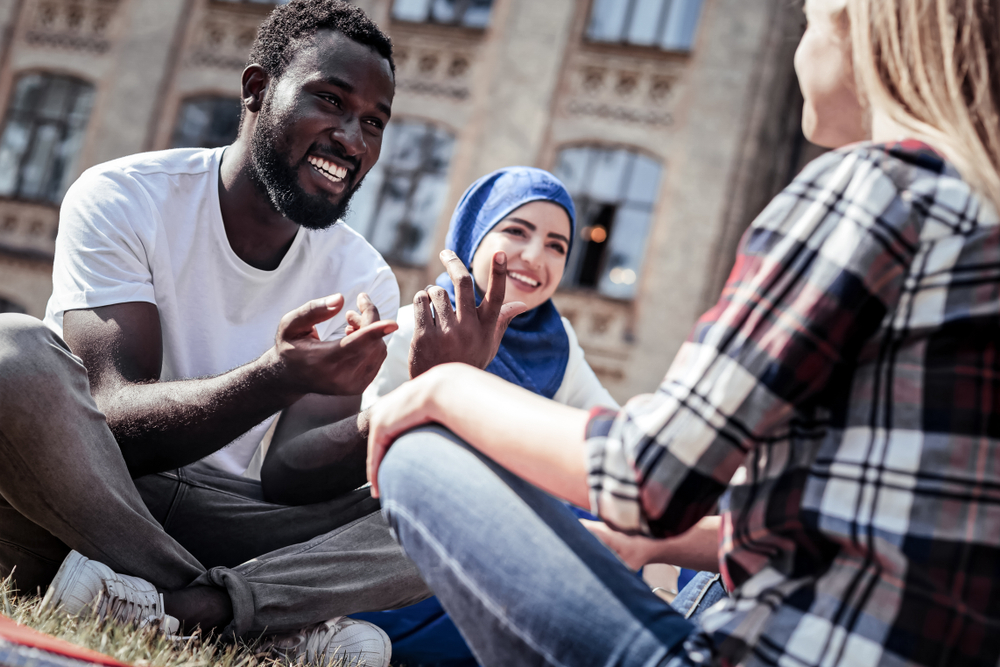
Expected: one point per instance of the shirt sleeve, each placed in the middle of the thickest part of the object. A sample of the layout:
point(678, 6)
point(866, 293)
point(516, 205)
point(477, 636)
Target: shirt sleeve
point(395, 369)
point(106, 235)
point(813, 279)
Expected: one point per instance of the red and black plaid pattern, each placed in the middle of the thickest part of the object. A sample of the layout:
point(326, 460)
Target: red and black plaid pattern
point(841, 403)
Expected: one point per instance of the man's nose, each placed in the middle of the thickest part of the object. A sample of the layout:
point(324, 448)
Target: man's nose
point(350, 136)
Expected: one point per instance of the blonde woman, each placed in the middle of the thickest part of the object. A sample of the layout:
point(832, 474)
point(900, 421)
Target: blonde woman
point(852, 366)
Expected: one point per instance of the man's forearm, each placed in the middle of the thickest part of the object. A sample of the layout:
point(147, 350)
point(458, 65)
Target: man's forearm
point(165, 425)
point(317, 465)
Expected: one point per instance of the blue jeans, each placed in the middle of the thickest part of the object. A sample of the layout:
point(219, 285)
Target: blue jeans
point(524, 582)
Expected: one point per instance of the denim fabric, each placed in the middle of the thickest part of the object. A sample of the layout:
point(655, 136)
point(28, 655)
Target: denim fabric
point(64, 485)
point(525, 583)
point(703, 591)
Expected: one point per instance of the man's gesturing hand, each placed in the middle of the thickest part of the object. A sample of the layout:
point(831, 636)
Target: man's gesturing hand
point(466, 333)
point(342, 367)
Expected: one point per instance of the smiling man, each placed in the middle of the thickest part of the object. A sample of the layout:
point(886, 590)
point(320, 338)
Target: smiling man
point(197, 293)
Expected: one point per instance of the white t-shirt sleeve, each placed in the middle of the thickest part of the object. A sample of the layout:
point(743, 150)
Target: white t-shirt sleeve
point(106, 236)
point(396, 367)
point(580, 387)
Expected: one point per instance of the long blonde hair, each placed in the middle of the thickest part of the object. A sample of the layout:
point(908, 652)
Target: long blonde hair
point(933, 67)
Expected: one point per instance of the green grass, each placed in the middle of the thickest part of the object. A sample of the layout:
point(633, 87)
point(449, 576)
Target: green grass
point(143, 648)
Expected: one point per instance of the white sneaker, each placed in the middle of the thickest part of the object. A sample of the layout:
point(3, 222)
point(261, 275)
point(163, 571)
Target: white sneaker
point(83, 585)
point(357, 642)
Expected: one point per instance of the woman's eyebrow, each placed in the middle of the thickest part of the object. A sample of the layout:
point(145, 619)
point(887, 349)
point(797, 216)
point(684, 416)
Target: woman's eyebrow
point(532, 227)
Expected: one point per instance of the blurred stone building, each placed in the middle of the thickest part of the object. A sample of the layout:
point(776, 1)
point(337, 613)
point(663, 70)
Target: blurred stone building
point(671, 121)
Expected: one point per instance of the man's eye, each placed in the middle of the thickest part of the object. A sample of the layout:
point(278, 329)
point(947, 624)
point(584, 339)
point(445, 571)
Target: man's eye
point(376, 123)
point(332, 100)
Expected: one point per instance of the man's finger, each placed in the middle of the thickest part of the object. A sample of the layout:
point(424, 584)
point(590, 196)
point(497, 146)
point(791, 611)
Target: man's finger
point(369, 334)
point(354, 322)
point(507, 313)
point(369, 313)
point(489, 310)
point(443, 312)
point(465, 291)
point(423, 318)
point(300, 322)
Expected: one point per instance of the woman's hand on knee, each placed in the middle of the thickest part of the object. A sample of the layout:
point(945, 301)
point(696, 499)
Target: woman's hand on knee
point(409, 406)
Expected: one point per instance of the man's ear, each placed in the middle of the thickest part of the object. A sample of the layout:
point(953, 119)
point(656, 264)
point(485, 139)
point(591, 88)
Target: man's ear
point(255, 83)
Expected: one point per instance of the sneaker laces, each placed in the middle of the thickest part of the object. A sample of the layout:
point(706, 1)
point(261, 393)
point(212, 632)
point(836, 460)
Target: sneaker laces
point(126, 604)
point(318, 638)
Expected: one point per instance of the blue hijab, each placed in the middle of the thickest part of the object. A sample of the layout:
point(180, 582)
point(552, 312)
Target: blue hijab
point(535, 349)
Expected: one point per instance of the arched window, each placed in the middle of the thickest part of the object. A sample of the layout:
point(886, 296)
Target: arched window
point(207, 122)
point(614, 191)
point(7, 306)
point(468, 13)
point(398, 206)
point(668, 24)
point(42, 135)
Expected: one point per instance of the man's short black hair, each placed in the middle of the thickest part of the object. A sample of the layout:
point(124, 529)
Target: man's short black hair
point(287, 24)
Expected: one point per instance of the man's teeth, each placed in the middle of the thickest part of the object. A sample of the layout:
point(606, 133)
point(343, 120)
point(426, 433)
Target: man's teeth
point(523, 278)
point(328, 169)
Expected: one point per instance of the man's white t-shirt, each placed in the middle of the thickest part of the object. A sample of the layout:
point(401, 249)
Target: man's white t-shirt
point(149, 228)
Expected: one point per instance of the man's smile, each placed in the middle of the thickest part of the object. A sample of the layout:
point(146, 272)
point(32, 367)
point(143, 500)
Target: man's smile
point(332, 174)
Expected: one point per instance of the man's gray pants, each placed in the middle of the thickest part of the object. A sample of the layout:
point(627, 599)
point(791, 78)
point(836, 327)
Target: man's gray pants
point(64, 485)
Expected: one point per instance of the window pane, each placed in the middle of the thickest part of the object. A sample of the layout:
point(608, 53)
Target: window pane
point(607, 175)
point(391, 211)
point(42, 136)
point(443, 11)
point(645, 23)
point(35, 169)
point(571, 168)
point(207, 122)
point(614, 191)
point(681, 25)
point(411, 10)
point(398, 206)
point(607, 20)
point(477, 14)
point(30, 91)
point(365, 200)
point(13, 144)
point(644, 180)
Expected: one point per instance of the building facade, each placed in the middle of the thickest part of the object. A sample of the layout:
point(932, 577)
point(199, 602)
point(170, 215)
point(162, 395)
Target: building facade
point(672, 122)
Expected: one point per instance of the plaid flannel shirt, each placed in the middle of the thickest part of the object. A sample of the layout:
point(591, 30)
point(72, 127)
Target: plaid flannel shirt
point(850, 375)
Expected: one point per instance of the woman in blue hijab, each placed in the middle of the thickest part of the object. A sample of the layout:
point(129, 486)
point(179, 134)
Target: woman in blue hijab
point(528, 214)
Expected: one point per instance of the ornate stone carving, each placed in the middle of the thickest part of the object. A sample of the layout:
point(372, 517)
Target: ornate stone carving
point(434, 60)
point(28, 228)
point(79, 25)
point(625, 89)
point(603, 327)
point(224, 35)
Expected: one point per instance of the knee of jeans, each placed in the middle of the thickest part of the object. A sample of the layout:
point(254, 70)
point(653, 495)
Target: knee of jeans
point(412, 465)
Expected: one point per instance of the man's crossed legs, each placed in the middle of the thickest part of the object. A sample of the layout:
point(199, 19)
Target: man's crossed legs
point(195, 533)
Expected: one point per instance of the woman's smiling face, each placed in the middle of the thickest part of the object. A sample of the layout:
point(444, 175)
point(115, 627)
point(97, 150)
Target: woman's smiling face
point(535, 238)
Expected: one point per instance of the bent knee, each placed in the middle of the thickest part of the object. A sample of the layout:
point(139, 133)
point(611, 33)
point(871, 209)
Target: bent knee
point(28, 348)
point(422, 461)
point(23, 333)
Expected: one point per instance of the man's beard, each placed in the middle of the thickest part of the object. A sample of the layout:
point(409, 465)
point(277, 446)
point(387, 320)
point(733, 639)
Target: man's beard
point(276, 174)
